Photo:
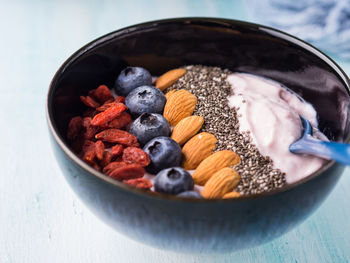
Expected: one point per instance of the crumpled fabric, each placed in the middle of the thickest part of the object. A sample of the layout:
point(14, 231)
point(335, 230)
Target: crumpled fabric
point(323, 23)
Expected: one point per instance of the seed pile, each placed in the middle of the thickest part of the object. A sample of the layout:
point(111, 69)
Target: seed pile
point(209, 85)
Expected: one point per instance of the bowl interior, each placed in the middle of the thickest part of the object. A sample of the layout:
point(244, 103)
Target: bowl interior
point(162, 45)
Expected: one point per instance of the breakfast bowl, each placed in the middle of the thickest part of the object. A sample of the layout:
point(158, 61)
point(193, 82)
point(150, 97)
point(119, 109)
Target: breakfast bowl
point(200, 225)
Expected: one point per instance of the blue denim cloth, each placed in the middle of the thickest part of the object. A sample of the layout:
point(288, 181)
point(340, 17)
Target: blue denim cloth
point(324, 23)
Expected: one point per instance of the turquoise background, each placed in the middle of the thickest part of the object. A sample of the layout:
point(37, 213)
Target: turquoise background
point(41, 220)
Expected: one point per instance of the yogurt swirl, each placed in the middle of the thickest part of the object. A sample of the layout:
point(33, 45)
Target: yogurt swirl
point(270, 113)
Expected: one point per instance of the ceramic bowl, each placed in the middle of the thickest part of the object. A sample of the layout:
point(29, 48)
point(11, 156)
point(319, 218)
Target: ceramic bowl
point(199, 225)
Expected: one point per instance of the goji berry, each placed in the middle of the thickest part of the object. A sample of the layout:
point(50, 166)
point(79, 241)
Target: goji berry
point(90, 102)
point(102, 94)
point(117, 150)
point(106, 106)
point(120, 99)
point(141, 183)
point(119, 159)
point(86, 121)
point(99, 148)
point(106, 159)
point(120, 122)
point(90, 130)
point(129, 171)
point(136, 155)
point(89, 151)
point(117, 136)
point(108, 115)
point(112, 166)
point(74, 127)
point(94, 137)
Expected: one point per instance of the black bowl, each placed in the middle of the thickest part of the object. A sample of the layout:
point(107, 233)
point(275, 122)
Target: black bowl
point(200, 225)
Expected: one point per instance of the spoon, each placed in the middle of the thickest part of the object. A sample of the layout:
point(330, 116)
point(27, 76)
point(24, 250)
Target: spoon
point(339, 152)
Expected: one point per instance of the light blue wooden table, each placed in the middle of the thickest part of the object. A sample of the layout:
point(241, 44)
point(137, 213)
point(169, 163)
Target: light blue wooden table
point(41, 220)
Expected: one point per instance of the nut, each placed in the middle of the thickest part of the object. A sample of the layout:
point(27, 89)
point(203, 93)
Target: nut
point(197, 149)
point(214, 163)
point(221, 183)
point(187, 128)
point(233, 194)
point(169, 78)
point(180, 105)
point(169, 94)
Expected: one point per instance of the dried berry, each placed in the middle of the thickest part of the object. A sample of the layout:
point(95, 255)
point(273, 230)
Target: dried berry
point(99, 148)
point(74, 127)
point(120, 122)
point(87, 122)
point(112, 166)
point(106, 159)
point(89, 151)
point(108, 115)
point(102, 94)
point(117, 150)
point(141, 183)
point(109, 101)
point(90, 130)
point(120, 99)
point(119, 159)
point(129, 171)
point(136, 155)
point(117, 136)
point(106, 106)
point(90, 102)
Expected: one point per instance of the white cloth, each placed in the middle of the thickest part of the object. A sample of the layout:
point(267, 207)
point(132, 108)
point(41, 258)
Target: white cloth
point(324, 23)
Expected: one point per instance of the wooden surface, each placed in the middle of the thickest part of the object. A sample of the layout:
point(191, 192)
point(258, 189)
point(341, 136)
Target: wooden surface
point(41, 220)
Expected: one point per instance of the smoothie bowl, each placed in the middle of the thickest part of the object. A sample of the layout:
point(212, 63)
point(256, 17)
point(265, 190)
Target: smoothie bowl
point(214, 65)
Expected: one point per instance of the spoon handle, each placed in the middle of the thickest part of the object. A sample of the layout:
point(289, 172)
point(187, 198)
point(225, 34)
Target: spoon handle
point(339, 152)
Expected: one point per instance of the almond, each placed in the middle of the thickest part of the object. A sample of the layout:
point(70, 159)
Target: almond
point(169, 94)
point(187, 128)
point(214, 163)
point(180, 105)
point(169, 78)
point(233, 194)
point(197, 149)
point(221, 183)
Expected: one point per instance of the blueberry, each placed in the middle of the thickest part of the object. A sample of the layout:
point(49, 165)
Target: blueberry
point(163, 152)
point(173, 180)
point(145, 99)
point(131, 78)
point(148, 126)
point(190, 194)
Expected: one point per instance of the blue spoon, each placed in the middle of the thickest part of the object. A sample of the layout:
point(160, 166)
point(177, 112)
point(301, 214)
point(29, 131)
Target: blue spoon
point(339, 152)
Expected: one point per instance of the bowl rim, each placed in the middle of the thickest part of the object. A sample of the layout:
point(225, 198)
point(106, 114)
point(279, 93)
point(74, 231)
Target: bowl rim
point(184, 20)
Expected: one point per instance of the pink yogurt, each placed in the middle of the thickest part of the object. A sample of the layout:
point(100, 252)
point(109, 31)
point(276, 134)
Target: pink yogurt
point(271, 114)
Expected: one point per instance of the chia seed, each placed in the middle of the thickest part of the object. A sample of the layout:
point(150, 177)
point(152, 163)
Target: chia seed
point(209, 85)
